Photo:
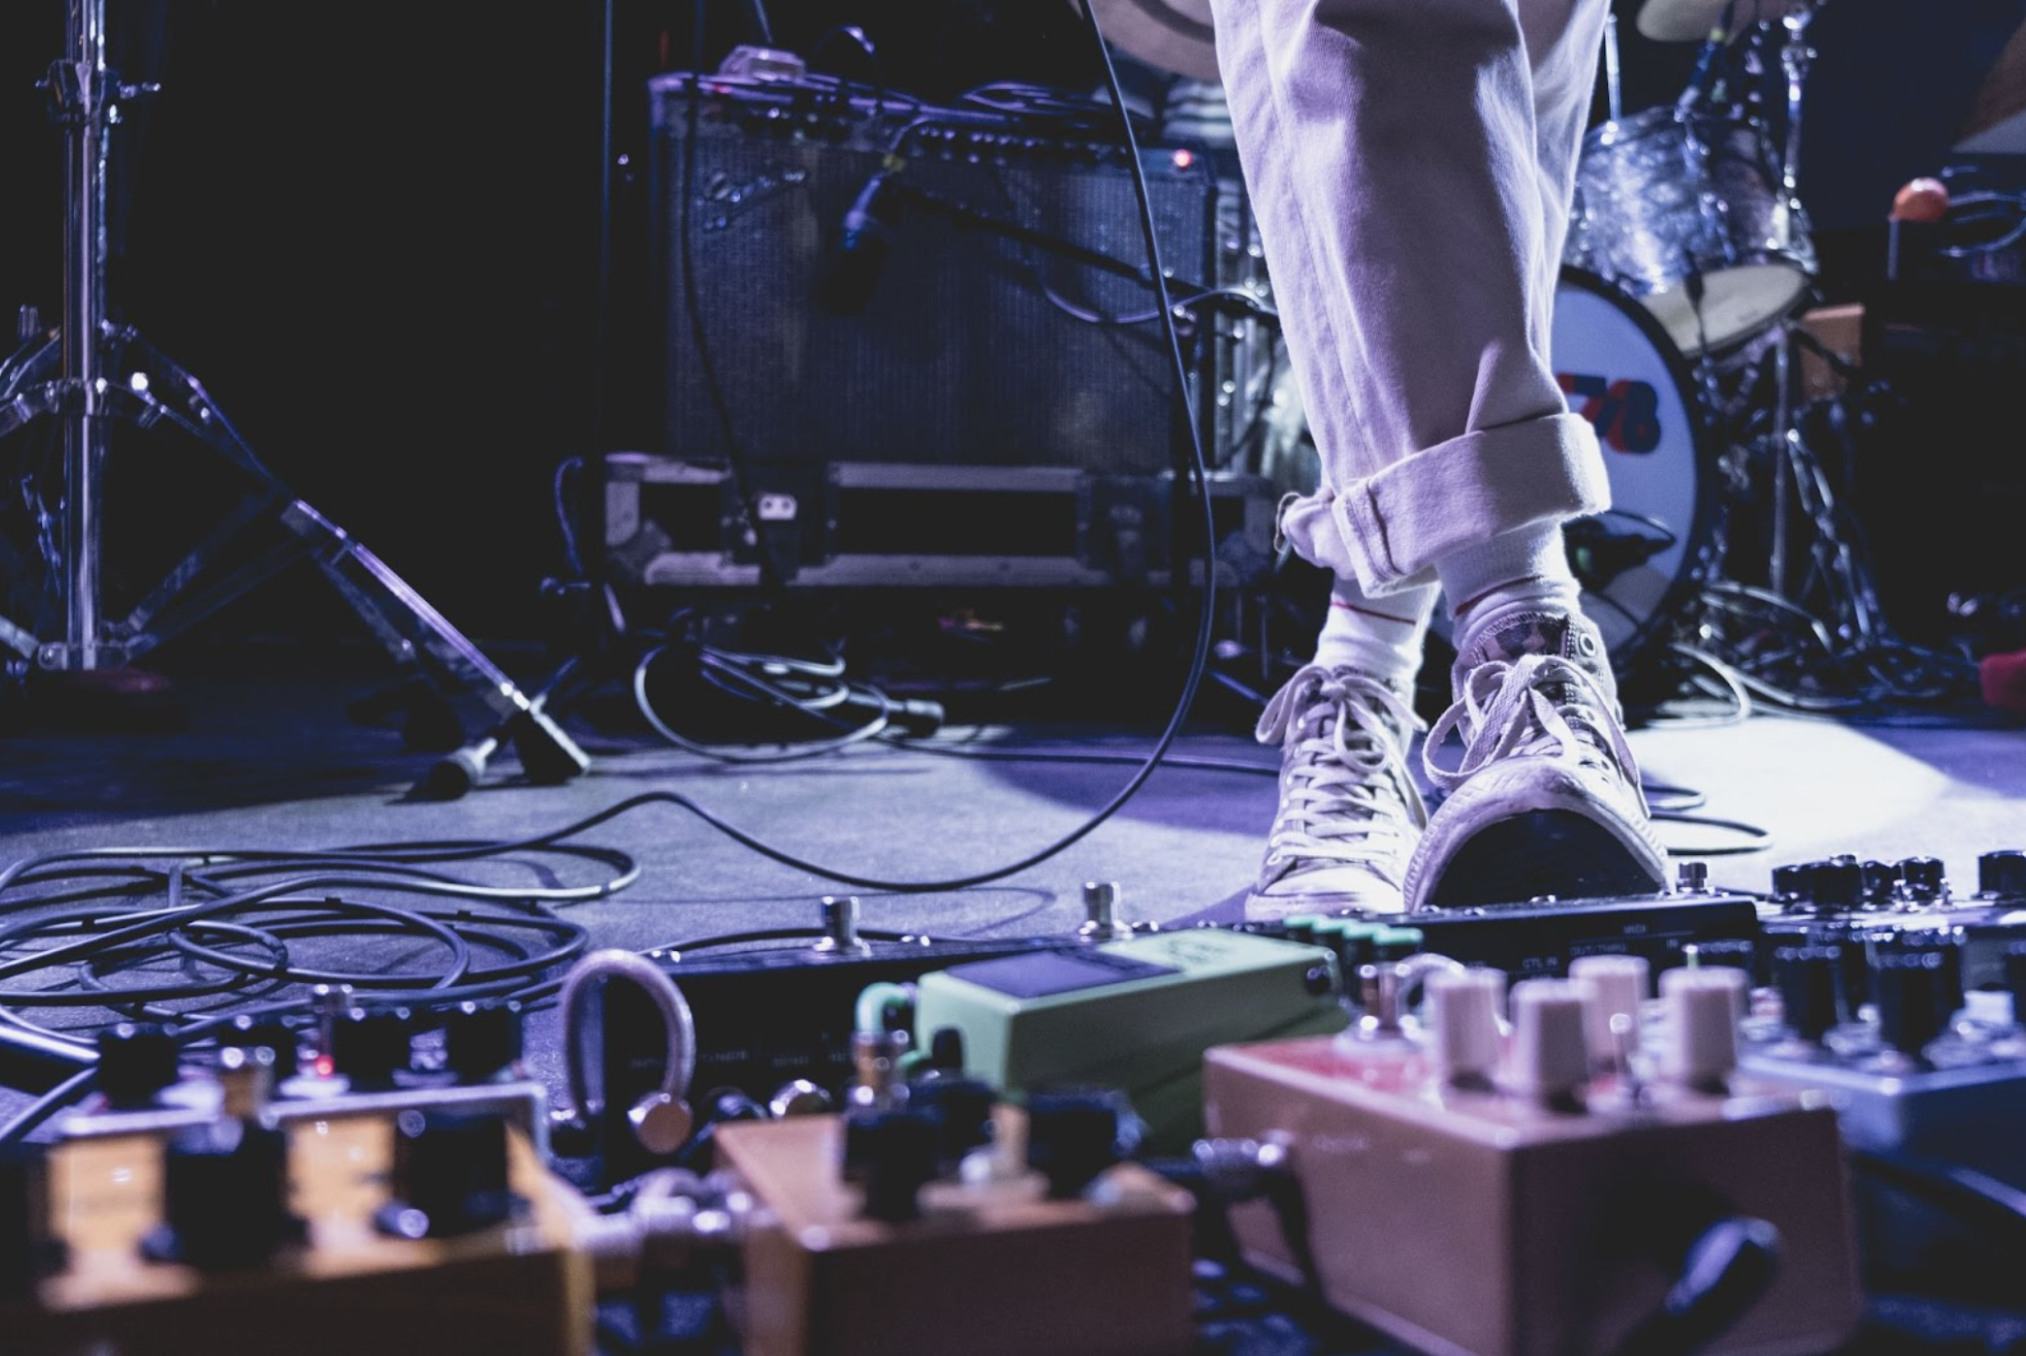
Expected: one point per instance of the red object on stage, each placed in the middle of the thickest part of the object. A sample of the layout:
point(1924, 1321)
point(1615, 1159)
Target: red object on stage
point(2003, 680)
point(1923, 199)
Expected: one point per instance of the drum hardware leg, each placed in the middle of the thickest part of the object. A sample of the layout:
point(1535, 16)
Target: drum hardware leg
point(1843, 653)
point(86, 373)
point(1613, 95)
point(1786, 453)
point(1795, 54)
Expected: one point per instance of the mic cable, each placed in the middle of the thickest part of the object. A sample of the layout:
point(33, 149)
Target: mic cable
point(864, 239)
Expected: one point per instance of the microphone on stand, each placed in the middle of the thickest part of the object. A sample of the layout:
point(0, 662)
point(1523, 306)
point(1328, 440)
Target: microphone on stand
point(858, 256)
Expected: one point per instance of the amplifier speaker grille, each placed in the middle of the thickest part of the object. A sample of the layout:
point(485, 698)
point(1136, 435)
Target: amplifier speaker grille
point(975, 344)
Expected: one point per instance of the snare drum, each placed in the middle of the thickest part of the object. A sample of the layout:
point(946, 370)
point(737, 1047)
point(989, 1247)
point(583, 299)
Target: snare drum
point(1686, 212)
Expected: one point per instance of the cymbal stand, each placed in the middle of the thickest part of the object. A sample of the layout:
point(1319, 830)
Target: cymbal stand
point(1836, 598)
point(1614, 95)
point(87, 372)
point(1795, 54)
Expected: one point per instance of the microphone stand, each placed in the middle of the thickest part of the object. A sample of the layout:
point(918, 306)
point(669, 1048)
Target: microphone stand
point(89, 372)
point(1794, 57)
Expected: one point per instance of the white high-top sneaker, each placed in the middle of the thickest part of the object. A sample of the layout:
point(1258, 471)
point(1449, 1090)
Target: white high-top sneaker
point(1546, 799)
point(1350, 812)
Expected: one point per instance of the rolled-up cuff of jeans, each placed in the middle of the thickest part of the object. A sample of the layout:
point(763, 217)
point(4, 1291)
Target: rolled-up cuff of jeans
point(1388, 530)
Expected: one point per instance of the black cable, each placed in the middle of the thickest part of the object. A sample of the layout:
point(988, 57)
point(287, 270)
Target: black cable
point(190, 915)
point(69, 1091)
point(1756, 838)
point(855, 731)
point(573, 556)
point(1988, 1206)
point(1726, 1271)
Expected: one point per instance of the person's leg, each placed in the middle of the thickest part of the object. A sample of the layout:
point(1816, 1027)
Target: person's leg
point(1545, 798)
point(1393, 159)
point(1410, 177)
point(1562, 39)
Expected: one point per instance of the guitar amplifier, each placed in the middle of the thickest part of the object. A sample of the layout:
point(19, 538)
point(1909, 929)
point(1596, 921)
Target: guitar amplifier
point(995, 311)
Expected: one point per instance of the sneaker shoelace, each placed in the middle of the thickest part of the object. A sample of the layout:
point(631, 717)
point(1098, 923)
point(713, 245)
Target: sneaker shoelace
point(1345, 794)
point(1537, 704)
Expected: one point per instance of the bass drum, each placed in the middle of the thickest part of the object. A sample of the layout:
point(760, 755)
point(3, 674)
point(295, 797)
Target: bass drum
point(1646, 557)
point(1642, 560)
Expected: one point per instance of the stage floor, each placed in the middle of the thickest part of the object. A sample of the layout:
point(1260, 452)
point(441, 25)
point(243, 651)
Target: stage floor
point(269, 757)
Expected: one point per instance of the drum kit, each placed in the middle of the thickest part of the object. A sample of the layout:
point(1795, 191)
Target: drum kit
point(1687, 269)
point(1691, 211)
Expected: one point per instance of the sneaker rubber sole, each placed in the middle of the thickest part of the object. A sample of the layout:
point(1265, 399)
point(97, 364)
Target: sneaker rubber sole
point(1559, 853)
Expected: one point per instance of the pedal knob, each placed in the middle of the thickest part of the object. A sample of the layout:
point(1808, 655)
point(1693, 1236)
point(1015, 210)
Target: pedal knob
point(451, 1175)
point(1072, 1136)
point(245, 1080)
point(1396, 943)
point(1700, 1010)
point(1621, 984)
point(1354, 948)
point(370, 1045)
point(27, 1251)
point(960, 1109)
point(840, 928)
point(899, 1159)
point(1101, 922)
point(1806, 976)
point(1879, 879)
point(1853, 965)
point(1839, 883)
point(1465, 1008)
point(136, 1061)
point(1947, 950)
point(1921, 877)
point(224, 1197)
point(1906, 986)
point(2002, 872)
point(1794, 882)
point(1550, 1038)
point(247, 1032)
point(1300, 928)
point(482, 1040)
point(799, 1097)
point(946, 1049)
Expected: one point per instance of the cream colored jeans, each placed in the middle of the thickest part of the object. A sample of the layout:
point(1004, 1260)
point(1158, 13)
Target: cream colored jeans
point(1410, 165)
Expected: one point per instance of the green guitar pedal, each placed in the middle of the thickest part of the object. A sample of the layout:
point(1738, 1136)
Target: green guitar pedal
point(1134, 1015)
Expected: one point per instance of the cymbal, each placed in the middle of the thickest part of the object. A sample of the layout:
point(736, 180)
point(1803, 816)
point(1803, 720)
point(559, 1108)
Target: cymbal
point(1169, 35)
point(1995, 123)
point(1691, 20)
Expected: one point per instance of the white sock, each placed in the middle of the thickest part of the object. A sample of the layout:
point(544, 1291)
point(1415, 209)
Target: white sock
point(1531, 563)
point(1378, 636)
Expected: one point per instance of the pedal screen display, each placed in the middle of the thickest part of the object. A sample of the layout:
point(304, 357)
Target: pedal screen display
point(1054, 972)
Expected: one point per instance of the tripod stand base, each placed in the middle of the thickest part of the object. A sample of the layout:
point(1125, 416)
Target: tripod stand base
point(267, 531)
point(121, 700)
